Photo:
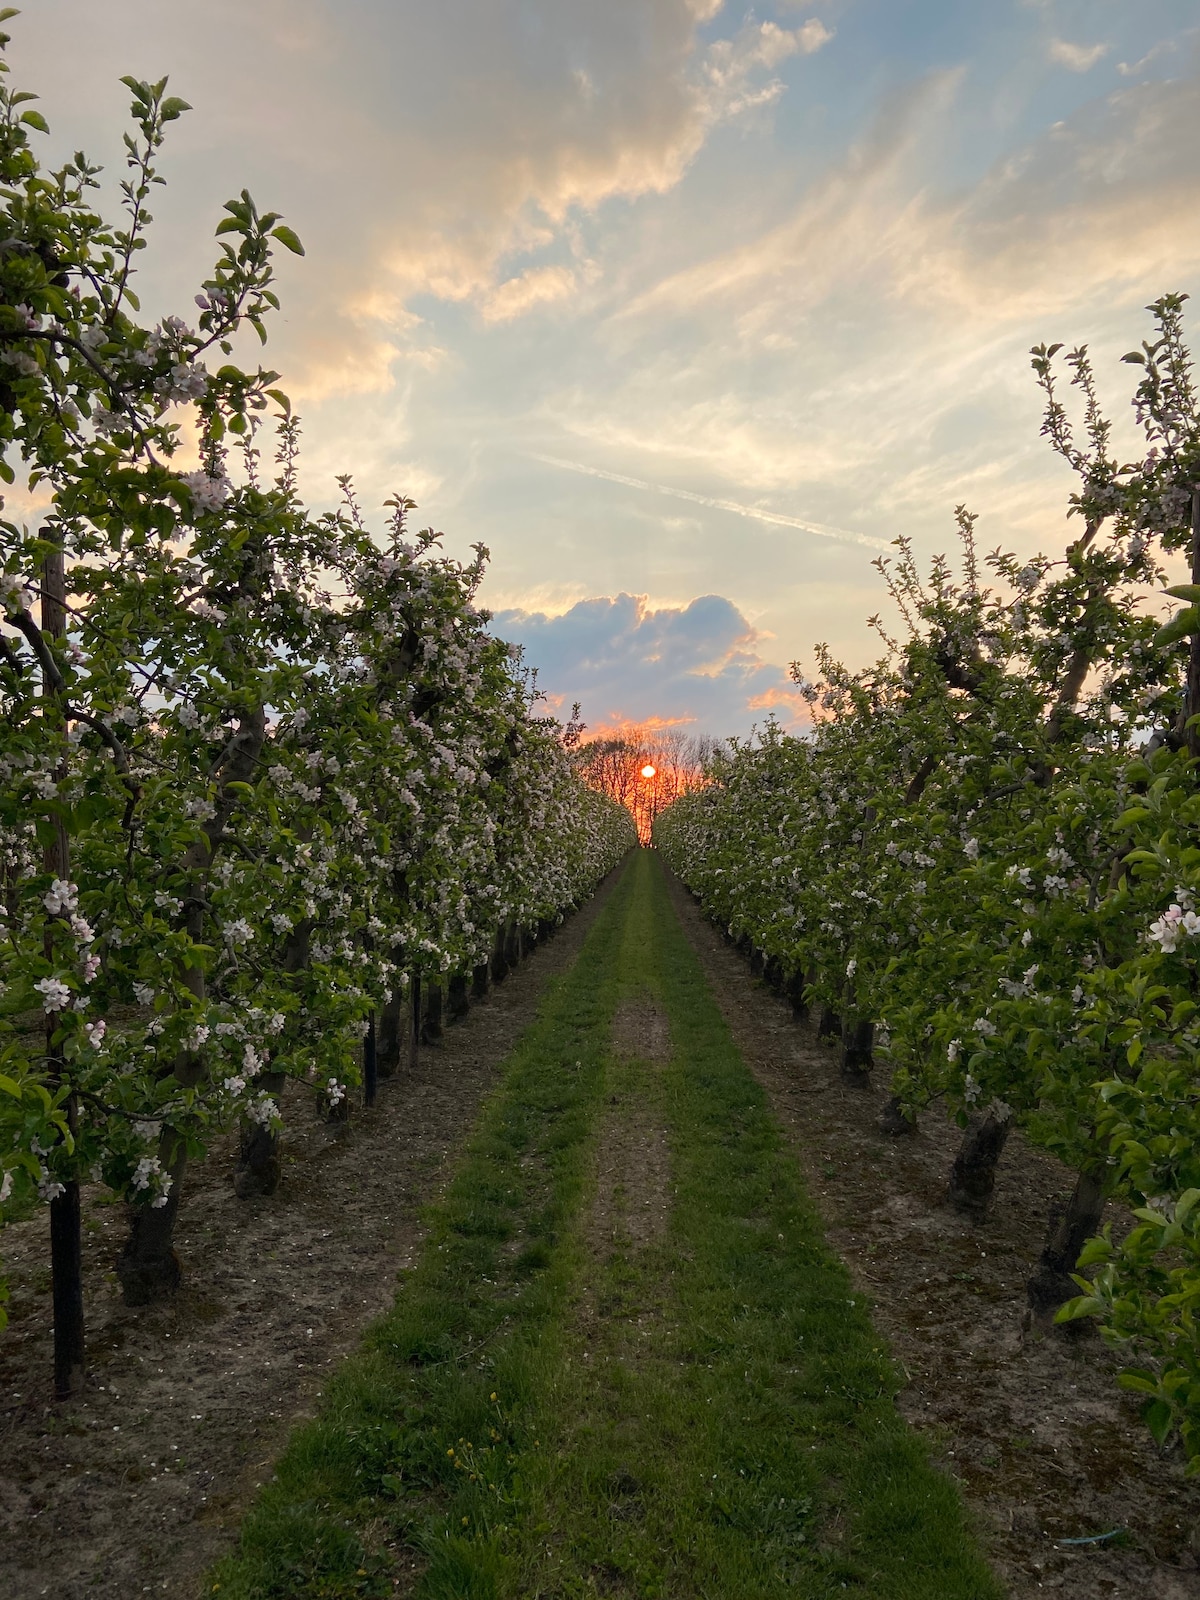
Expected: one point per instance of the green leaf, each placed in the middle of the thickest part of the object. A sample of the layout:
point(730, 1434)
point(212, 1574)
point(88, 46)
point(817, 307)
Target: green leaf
point(288, 239)
point(1180, 627)
point(10, 1086)
point(1084, 1305)
point(1158, 1418)
point(1186, 591)
point(34, 119)
point(173, 107)
point(1138, 1381)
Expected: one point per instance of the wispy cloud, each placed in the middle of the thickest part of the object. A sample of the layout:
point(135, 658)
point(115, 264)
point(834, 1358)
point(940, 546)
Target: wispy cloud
point(1076, 57)
point(777, 519)
point(537, 286)
point(1131, 69)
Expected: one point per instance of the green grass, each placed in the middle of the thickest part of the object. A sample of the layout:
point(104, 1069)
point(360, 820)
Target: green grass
point(708, 1415)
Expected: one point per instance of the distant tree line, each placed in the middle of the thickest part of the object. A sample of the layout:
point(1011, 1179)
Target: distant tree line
point(616, 764)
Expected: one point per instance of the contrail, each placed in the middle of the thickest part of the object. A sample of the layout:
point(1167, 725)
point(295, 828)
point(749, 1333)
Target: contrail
point(842, 535)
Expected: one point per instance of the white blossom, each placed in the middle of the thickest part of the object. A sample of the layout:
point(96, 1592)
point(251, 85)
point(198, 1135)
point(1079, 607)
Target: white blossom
point(13, 592)
point(55, 994)
point(1166, 931)
point(209, 493)
point(61, 898)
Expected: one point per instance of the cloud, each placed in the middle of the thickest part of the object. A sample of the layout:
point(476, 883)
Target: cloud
point(534, 287)
point(549, 293)
point(1076, 57)
point(695, 665)
point(830, 351)
point(452, 151)
point(755, 513)
point(1130, 69)
point(730, 65)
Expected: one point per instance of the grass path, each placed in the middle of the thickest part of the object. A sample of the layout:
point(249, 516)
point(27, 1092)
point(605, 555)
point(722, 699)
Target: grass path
point(626, 1363)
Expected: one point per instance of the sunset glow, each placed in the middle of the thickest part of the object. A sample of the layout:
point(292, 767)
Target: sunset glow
point(682, 443)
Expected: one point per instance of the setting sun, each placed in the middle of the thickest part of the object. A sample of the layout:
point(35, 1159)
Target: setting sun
point(648, 772)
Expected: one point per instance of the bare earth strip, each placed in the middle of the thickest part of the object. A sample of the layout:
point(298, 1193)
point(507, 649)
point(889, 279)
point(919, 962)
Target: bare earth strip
point(632, 1201)
point(1044, 1445)
point(140, 1484)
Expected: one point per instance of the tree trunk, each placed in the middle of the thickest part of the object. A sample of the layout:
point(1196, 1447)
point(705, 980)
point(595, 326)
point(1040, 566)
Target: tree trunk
point(259, 1162)
point(794, 990)
point(148, 1267)
point(458, 998)
point(973, 1175)
point(414, 1022)
point(432, 1014)
point(1071, 1226)
point(66, 1240)
point(370, 1063)
point(829, 1024)
point(895, 1121)
point(66, 1256)
point(500, 964)
point(857, 1061)
point(480, 979)
point(391, 1041)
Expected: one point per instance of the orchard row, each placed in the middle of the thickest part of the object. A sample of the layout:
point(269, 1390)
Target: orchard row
point(983, 866)
point(261, 771)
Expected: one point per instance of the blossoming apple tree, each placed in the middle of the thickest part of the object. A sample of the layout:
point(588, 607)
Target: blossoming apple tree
point(984, 863)
point(260, 770)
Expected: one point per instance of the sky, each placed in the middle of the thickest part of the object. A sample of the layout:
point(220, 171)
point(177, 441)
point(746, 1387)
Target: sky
point(686, 310)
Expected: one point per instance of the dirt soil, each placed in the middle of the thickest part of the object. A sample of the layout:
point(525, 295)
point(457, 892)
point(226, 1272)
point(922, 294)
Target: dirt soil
point(140, 1483)
point(1045, 1446)
point(631, 1205)
point(642, 1031)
